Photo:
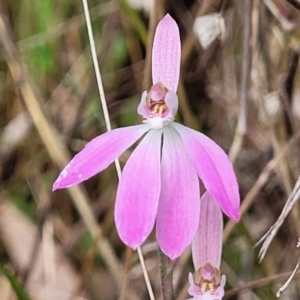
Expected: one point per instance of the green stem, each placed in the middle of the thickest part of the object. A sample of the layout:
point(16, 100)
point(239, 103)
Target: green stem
point(166, 273)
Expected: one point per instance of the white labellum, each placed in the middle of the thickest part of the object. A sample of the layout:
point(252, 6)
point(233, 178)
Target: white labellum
point(208, 28)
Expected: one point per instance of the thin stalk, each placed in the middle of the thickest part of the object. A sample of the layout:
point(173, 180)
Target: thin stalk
point(141, 258)
point(107, 118)
point(166, 273)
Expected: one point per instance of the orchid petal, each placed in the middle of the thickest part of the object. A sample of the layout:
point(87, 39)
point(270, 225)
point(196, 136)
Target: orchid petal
point(207, 243)
point(179, 205)
point(141, 110)
point(193, 290)
point(98, 154)
point(138, 192)
point(171, 101)
point(166, 54)
point(214, 169)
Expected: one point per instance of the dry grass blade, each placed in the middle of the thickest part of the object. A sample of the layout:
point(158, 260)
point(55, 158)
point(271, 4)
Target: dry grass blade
point(257, 283)
point(268, 237)
point(285, 286)
point(286, 24)
point(241, 128)
point(260, 182)
point(56, 149)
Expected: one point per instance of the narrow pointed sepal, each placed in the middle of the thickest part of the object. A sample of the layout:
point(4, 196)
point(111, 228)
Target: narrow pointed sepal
point(214, 169)
point(207, 243)
point(98, 154)
point(166, 53)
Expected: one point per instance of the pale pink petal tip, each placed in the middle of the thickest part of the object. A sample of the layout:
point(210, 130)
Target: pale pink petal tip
point(179, 205)
point(214, 169)
point(166, 54)
point(138, 192)
point(66, 179)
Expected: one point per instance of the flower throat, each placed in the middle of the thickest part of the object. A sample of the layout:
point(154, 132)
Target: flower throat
point(155, 101)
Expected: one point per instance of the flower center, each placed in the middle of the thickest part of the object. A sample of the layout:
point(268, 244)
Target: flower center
point(208, 278)
point(158, 108)
point(155, 101)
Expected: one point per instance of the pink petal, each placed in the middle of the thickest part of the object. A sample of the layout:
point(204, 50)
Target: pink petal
point(221, 290)
point(207, 243)
point(171, 101)
point(214, 169)
point(179, 205)
point(193, 290)
point(142, 107)
point(166, 54)
point(138, 192)
point(98, 154)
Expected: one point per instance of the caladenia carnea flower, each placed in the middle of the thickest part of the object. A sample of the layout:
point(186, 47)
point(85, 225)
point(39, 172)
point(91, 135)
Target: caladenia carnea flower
point(208, 284)
point(159, 182)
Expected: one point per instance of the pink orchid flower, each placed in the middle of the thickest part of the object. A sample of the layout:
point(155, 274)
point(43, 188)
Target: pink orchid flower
point(206, 250)
point(160, 179)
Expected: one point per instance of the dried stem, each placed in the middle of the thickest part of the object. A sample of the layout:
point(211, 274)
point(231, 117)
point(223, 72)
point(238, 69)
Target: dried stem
point(141, 258)
point(287, 283)
point(258, 283)
point(246, 70)
point(269, 236)
point(260, 183)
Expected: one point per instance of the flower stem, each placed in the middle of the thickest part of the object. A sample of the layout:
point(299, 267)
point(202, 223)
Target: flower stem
point(166, 273)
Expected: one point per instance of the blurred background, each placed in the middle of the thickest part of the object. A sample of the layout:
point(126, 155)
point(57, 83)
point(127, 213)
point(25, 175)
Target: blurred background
point(242, 90)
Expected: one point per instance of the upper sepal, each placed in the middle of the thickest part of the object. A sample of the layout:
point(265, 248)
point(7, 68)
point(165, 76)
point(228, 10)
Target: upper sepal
point(166, 54)
point(207, 243)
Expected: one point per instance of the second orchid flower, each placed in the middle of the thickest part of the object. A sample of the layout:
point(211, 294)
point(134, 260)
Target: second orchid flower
point(208, 284)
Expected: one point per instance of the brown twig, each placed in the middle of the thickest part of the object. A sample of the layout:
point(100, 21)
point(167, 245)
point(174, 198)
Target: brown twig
point(257, 283)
